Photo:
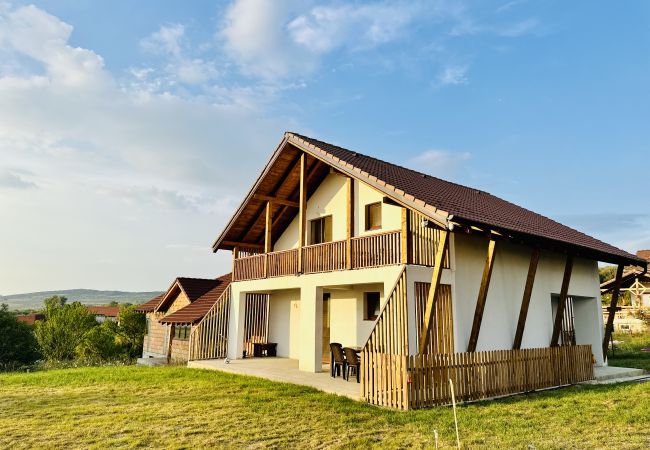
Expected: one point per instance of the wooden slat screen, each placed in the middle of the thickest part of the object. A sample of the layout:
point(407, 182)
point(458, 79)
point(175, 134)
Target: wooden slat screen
point(256, 321)
point(441, 339)
point(283, 263)
point(424, 241)
point(477, 375)
point(381, 249)
point(382, 368)
point(209, 338)
point(326, 257)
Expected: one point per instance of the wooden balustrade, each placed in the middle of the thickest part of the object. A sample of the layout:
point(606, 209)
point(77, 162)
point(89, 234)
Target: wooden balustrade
point(326, 257)
point(209, 338)
point(249, 268)
point(423, 241)
point(420, 381)
point(381, 249)
point(283, 263)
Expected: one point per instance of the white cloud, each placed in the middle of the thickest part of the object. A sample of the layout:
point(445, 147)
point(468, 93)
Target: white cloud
point(452, 75)
point(121, 170)
point(519, 29)
point(442, 163)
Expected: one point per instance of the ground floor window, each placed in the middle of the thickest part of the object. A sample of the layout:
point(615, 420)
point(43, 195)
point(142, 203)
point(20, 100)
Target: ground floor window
point(182, 332)
point(371, 305)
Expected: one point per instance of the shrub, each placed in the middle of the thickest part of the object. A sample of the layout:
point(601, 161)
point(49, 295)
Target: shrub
point(17, 343)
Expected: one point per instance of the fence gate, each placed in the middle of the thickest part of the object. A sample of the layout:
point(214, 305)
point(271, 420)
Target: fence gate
point(256, 321)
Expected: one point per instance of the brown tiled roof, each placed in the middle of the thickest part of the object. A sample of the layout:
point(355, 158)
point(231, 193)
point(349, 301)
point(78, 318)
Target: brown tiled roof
point(202, 293)
point(645, 254)
point(464, 203)
point(30, 319)
point(150, 305)
point(108, 311)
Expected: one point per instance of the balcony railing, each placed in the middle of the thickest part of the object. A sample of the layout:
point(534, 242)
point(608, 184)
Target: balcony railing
point(381, 249)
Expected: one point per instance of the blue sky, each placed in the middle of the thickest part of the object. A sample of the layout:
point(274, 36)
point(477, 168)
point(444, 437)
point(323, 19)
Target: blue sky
point(130, 131)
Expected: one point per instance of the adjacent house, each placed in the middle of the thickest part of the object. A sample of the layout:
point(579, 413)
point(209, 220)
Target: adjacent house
point(172, 316)
point(104, 313)
point(30, 319)
point(636, 281)
point(431, 280)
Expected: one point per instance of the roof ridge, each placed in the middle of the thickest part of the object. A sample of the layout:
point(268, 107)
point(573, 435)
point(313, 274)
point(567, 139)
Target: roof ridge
point(301, 136)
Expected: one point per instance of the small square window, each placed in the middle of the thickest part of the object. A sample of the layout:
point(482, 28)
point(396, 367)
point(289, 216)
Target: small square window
point(373, 216)
point(372, 305)
point(182, 333)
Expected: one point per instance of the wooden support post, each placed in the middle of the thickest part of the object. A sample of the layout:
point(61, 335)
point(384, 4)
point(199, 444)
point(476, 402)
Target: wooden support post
point(302, 206)
point(235, 256)
point(525, 302)
point(349, 227)
point(482, 296)
point(406, 236)
point(433, 290)
point(609, 327)
point(564, 292)
point(268, 236)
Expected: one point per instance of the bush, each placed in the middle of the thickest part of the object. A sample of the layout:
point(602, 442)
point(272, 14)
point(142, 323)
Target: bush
point(100, 343)
point(17, 343)
point(64, 328)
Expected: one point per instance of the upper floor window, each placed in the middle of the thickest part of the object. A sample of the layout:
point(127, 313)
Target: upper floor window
point(320, 230)
point(373, 216)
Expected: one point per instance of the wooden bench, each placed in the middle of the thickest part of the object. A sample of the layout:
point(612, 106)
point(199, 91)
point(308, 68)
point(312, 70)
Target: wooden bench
point(268, 349)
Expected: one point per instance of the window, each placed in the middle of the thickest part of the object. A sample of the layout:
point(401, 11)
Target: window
point(373, 216)
point(371, 305)
point(320, 230)
point(182, 332)
point(148, 326)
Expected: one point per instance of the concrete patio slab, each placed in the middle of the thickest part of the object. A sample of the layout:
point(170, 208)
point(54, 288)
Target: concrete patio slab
point(284, 370)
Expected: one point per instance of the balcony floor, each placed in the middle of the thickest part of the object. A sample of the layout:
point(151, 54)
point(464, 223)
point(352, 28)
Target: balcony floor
point(284, 370)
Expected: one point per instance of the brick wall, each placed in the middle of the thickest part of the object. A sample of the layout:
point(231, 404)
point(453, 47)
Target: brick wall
point(158, 337)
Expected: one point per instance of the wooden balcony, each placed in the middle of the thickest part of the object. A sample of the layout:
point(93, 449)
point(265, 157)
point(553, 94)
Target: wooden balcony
point(382, 249)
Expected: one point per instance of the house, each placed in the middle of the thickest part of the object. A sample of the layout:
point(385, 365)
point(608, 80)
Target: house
point(104, 313)
point(30, 319)
point(430, 279)
point(636, 281)
point(172, 316)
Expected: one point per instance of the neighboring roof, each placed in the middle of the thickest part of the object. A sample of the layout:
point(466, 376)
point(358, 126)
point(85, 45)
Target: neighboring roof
point(201, 299)
point(645, 254)
point(30, 319)
point(627, 280)
point(108, 311)
point(150, 305)
point(438, 199)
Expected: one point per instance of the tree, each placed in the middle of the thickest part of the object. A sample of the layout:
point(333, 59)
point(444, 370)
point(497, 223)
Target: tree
point(17, 343)
point(64, 328)
point(100, 343)
point(607, 273)
point(131, 329)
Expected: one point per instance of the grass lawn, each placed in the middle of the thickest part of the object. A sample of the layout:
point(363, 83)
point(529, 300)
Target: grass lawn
point(628, 353)
point(178, 407)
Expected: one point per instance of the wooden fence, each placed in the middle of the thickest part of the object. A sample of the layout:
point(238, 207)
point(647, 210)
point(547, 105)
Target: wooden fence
point(209, 338)
point(381, 249)
point(420, 381)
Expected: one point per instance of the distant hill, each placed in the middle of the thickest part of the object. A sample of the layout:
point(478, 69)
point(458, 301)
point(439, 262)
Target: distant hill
point(34, 300)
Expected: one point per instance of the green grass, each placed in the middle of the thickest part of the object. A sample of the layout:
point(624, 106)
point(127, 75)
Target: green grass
point(628, 353)
point(175, 407)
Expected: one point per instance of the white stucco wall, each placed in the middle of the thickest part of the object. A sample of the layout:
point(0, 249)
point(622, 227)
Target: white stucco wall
point(284, 322)
point(330, 198)
point(506, 291)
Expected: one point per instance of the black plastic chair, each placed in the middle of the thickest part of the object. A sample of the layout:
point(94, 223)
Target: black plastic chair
point(337, 360)
point(352, 362)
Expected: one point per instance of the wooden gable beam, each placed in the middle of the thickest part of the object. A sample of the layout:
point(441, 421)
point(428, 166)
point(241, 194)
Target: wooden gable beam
point(525, 302)
point(433, 291)
point(564, 292)
point(243, 245)
point(276, 200)
point(482, 296)
point(302, 213)
point(349, 221)
point(609, 327)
